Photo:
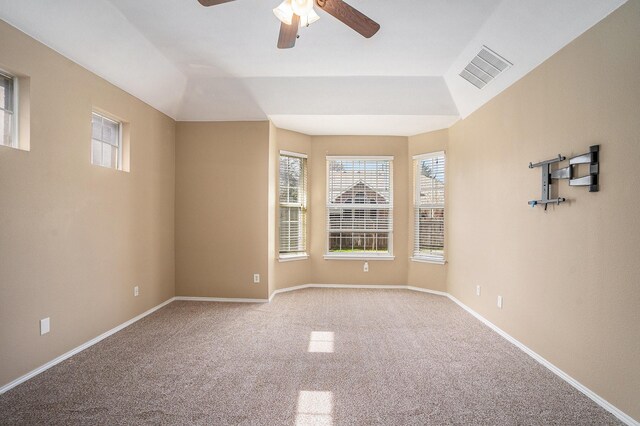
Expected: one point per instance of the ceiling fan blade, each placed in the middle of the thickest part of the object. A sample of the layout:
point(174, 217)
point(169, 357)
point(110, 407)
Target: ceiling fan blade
point(213, 2)
point(350, 16)
point(289, 33)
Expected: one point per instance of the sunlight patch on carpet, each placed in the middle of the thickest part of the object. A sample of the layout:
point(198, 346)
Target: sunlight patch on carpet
point(315, 408)
point(321, 341)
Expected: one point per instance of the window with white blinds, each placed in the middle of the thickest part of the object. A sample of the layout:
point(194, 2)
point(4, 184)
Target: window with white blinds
point(293, 204)
point(106, 142)
point(429, 207)
point(359, 206)
point(8, 116)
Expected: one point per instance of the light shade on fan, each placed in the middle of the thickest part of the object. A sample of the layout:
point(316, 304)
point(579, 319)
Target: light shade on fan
point(309, 19)
point(302, 7)
point(284, 12)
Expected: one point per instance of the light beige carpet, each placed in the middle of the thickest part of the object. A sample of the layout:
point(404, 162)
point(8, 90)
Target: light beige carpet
point(316, 356)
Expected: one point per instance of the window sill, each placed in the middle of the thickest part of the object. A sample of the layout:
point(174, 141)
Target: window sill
point(367, 257)
point(434, 261)
point(293, 257)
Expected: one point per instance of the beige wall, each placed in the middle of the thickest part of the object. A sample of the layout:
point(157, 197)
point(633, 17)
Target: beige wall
point(570, 276)
point(381, 272)
point(216, 257)
point(421, 274)
point(297, 272)
point(222, 218)
point(75, 238)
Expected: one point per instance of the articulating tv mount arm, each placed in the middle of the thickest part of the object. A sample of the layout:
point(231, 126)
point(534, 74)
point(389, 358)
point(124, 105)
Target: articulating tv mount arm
point(591, 180)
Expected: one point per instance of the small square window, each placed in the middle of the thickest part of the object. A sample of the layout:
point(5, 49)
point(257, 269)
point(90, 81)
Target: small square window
point(8, 111)
point(106, 142)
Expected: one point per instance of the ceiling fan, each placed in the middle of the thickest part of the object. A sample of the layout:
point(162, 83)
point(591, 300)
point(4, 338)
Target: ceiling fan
point(296, 13)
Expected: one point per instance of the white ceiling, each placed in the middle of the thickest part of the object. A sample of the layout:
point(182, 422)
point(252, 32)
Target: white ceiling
point(221, 63)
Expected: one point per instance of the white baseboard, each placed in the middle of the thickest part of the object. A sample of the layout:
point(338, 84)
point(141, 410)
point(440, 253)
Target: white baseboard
point(220, 299)
point(80, 348)
point(424, 290)
point(356, 286)
point(625, 418)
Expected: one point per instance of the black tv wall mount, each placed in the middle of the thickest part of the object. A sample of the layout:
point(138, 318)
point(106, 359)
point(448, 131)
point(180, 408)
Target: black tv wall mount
point(548, 176)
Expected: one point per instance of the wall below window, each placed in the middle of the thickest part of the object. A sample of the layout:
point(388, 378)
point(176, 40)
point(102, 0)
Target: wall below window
point(75, 238)
point(570, 276)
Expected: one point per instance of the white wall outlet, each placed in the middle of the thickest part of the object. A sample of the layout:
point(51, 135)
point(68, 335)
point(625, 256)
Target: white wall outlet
point(45, 326)
point(500, 302)
point(256, 278)
point(478, 290)
point(366, 267)
point(136, 291)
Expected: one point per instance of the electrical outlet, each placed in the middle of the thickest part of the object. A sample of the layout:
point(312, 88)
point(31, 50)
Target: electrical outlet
point(500, 302)
point(478, 290)
point(136, 291)
point(45, 326)
point(256, 278)
point(366, 267)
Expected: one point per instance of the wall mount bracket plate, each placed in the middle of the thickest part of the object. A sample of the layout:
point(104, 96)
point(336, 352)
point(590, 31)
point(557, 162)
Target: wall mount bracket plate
point(548, 177)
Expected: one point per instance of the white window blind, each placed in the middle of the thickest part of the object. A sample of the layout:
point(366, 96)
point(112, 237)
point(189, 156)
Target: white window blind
point(8, 122)
point(429, 207)
point(106, 136)
point(293, 204)
point(359, 206)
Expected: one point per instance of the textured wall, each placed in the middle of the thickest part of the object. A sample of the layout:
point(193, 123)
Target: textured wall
point(75, 238)
point(222, 195)
point(569, 276)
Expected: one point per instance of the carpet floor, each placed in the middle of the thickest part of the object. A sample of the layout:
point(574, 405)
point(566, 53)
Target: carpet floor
point(311, 357)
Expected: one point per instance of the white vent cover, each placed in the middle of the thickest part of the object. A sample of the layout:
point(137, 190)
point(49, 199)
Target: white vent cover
point(486, 66)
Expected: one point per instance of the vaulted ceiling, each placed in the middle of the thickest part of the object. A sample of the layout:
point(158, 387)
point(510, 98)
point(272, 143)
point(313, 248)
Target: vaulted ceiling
point(221, 63)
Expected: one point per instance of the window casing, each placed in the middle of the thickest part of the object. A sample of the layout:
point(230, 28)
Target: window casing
point(106, 142)
point(293, 205)
point(359, 207)
point(429, 207)
point(8, 110)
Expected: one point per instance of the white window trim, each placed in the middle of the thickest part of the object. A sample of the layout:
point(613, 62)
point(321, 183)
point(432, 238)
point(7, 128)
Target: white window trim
point(294, 154)
point(15, 130)
point(289, 257)
point(362, 256)
point(360, 157)
point(430, 155)
point(427, 258)
point(293, 257)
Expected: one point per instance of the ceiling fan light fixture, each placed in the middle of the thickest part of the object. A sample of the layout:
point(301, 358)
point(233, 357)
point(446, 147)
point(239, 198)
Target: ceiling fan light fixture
point(309, 19)
point(302, 7)
point(284, 12)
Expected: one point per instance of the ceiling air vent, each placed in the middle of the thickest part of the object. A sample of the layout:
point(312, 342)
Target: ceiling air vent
point(484, 67)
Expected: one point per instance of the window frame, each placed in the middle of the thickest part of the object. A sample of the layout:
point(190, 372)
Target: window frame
point(328, 255)
point(416, 256)
point(120, 146)
point(303, 205)
point(15, 112)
